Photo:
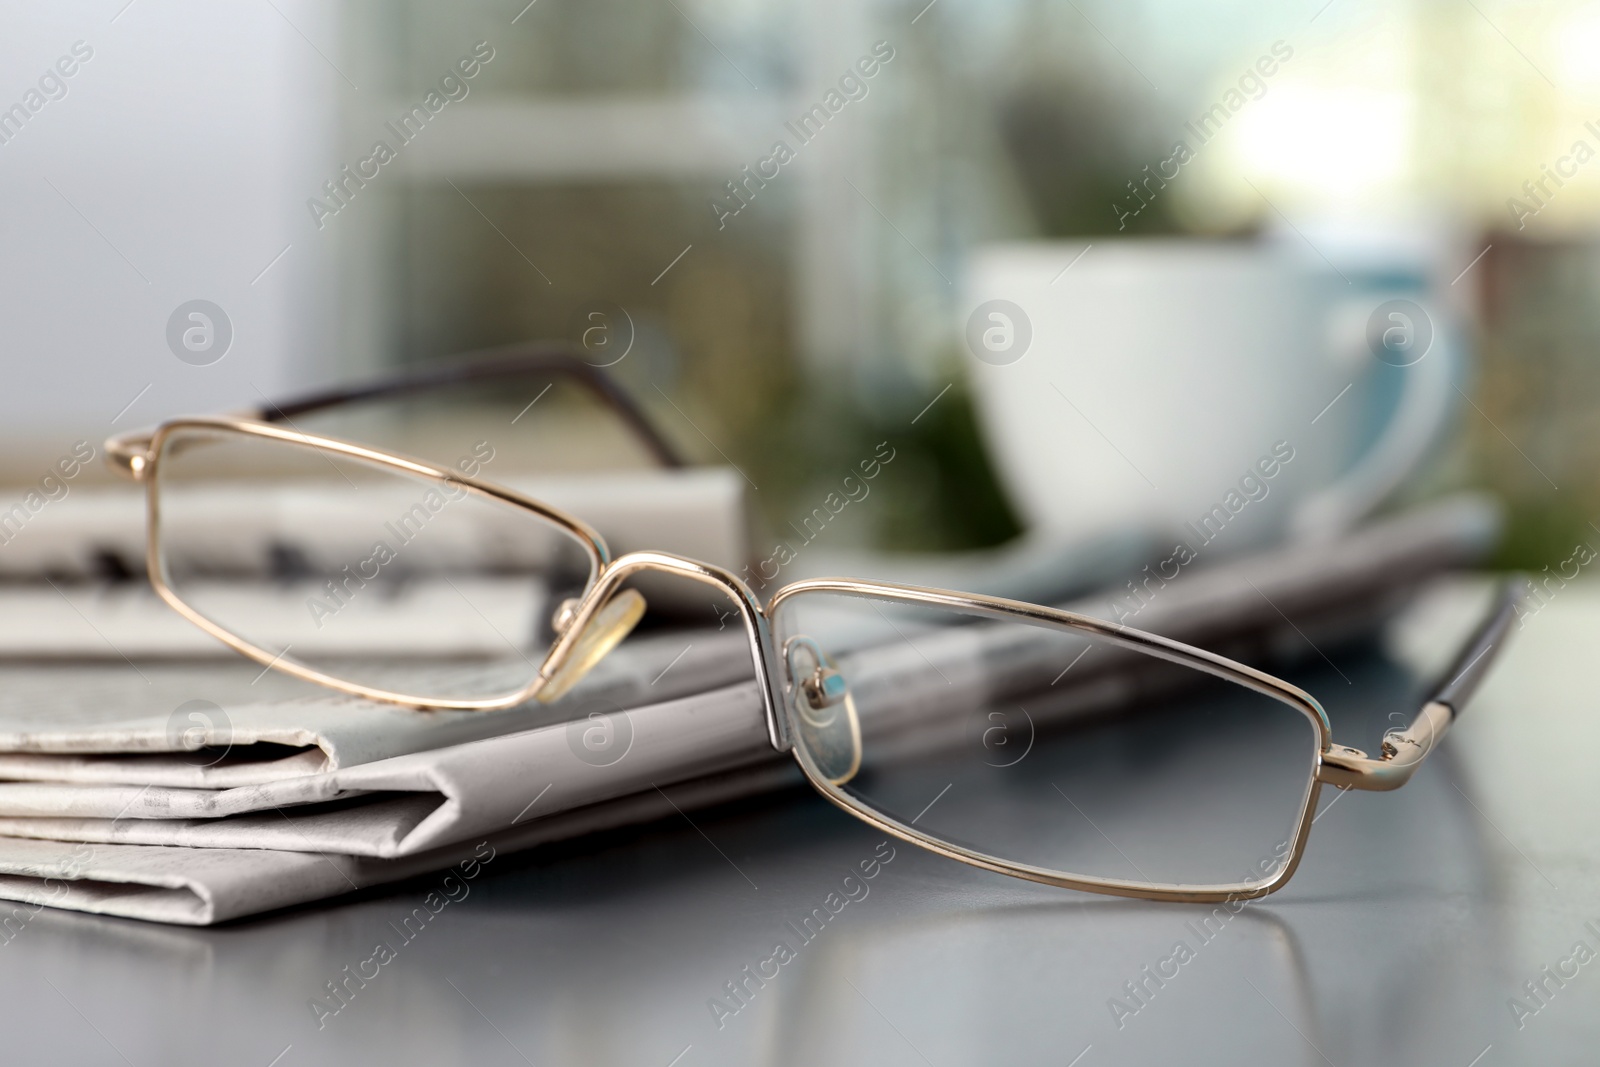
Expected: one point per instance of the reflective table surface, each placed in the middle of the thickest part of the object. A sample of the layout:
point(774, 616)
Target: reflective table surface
point(1454, 922)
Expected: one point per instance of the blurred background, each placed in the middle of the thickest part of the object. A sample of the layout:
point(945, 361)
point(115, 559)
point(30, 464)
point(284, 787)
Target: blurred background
point(594, 172)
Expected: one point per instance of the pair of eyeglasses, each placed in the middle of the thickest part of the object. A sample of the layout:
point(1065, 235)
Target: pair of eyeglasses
point(1019, 738)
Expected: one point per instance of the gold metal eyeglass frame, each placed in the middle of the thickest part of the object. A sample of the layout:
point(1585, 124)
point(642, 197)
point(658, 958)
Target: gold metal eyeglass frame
point(138, 455)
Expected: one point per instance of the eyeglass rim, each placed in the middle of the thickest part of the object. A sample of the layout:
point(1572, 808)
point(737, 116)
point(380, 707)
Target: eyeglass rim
point(1164, 648)
point(147, 469)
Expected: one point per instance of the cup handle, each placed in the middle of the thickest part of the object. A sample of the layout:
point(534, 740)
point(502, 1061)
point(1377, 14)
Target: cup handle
point(1417, 422)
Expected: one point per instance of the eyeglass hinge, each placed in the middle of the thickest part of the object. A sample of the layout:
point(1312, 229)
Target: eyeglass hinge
point(128, 453)
point(1403, 752)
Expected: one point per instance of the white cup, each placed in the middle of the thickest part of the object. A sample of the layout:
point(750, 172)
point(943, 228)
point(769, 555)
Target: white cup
point(1151, 384)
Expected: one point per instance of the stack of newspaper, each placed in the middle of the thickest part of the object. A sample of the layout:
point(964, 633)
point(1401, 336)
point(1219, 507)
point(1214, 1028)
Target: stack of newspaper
point(146, 773)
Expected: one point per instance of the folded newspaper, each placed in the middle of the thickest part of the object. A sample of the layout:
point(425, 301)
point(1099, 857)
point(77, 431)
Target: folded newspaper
point(112, 802)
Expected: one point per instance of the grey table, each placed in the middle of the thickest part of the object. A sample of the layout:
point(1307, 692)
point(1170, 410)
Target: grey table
point(1407, 936)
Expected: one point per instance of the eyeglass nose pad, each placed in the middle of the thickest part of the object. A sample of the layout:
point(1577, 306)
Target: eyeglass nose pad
point(828, 725)
point(605, 631)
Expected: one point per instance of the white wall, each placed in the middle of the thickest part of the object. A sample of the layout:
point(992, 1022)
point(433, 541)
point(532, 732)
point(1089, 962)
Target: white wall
point(187, 146)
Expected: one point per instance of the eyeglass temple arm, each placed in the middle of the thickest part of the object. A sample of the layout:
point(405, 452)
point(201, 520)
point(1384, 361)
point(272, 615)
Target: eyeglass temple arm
point(1404, 751)
point(488, 364)
point(126, 452)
